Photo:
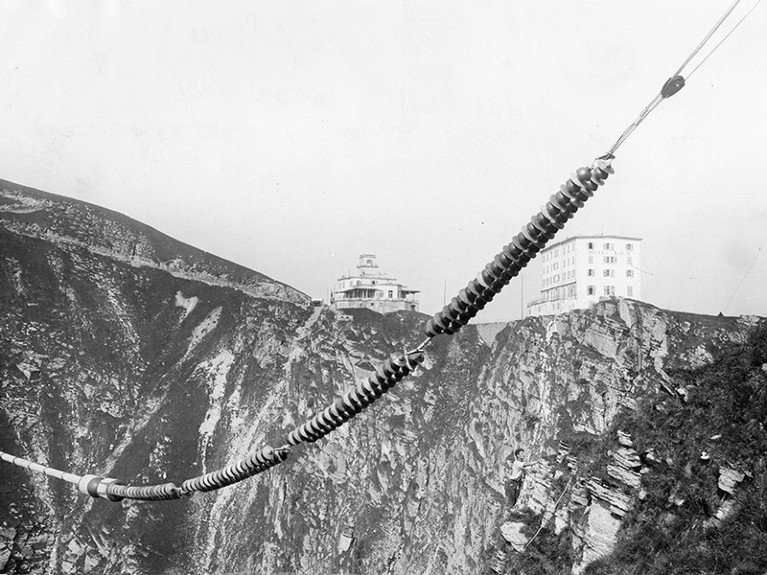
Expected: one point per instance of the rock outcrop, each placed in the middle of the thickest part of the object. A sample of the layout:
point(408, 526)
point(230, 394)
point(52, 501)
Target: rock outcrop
point(126, 354)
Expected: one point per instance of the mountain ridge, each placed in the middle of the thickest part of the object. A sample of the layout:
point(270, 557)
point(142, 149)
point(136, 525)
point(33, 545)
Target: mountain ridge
point(72, 224)
point(136, 373)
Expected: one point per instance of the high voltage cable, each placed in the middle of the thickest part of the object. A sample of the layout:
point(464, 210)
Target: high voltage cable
point(725, 38)
point(707, 37)
point(676, 82)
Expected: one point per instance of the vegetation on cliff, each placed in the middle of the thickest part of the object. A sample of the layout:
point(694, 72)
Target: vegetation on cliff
point(686, 519)
point(721, 425)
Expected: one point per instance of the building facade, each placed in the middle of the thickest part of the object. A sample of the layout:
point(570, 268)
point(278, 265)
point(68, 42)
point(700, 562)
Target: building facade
point(372, 289)
point(581, 270)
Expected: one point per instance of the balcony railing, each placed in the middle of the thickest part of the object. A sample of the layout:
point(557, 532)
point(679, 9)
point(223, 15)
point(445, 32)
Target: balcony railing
point(541, 300)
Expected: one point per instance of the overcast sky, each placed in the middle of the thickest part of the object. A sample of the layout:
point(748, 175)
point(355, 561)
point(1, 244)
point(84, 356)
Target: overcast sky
point(292, 136)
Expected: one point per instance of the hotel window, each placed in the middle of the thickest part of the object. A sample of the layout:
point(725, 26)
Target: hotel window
point(591, 290)
point(391, 294)
point(608, 273)
point(610, 259)
point(630, 291)
point(590, 272)
point(629, 247)
point(608, 246)
point(591, 259)
point(629, 273)
point(591, 245)
point(609, 290)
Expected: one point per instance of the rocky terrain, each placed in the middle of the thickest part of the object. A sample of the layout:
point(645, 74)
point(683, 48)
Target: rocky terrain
point(130, 355)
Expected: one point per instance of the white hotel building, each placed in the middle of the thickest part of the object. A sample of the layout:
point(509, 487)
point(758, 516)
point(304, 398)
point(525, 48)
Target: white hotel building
point(581, 270)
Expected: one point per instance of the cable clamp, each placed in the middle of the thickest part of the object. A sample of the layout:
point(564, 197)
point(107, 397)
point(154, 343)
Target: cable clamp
point(672, 86)
point(411, 365)
point(420, 347)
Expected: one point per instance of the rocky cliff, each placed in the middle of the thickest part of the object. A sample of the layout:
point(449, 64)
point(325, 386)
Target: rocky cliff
point(130, 355)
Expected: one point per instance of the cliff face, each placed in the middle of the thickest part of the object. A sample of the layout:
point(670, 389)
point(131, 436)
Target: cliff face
point(127, 354)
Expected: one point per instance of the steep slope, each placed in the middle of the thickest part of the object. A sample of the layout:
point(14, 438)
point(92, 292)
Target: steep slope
point(71, 224)
point(127, 354)
point(704, 508)
point(677, 486)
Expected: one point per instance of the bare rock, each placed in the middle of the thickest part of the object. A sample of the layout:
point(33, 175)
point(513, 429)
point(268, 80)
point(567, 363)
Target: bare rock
point(512, 533)
point(626, 476)
point(600, 534)
point(729, 479)
point(625, 439)
point(617, 502)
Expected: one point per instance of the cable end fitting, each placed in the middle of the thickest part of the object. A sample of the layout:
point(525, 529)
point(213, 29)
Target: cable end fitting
point(672, 86)
point(97, 487)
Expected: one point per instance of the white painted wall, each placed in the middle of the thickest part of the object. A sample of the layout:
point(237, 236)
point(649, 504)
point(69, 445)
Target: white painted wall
point(573, 273)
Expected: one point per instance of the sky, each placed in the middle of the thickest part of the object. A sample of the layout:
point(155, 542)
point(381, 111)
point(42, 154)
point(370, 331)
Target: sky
point(292, 136)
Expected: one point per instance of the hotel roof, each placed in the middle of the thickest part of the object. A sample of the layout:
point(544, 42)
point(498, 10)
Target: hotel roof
point(592, 237)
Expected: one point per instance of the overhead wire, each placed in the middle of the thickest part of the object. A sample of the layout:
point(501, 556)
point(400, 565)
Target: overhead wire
point(705, 40)
point(745, 275)
point(676, 82)
point(723, 39)
point(640, 270)
point(657, 99)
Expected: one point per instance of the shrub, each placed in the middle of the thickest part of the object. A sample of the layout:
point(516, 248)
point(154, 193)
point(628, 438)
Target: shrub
point(671, 531)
